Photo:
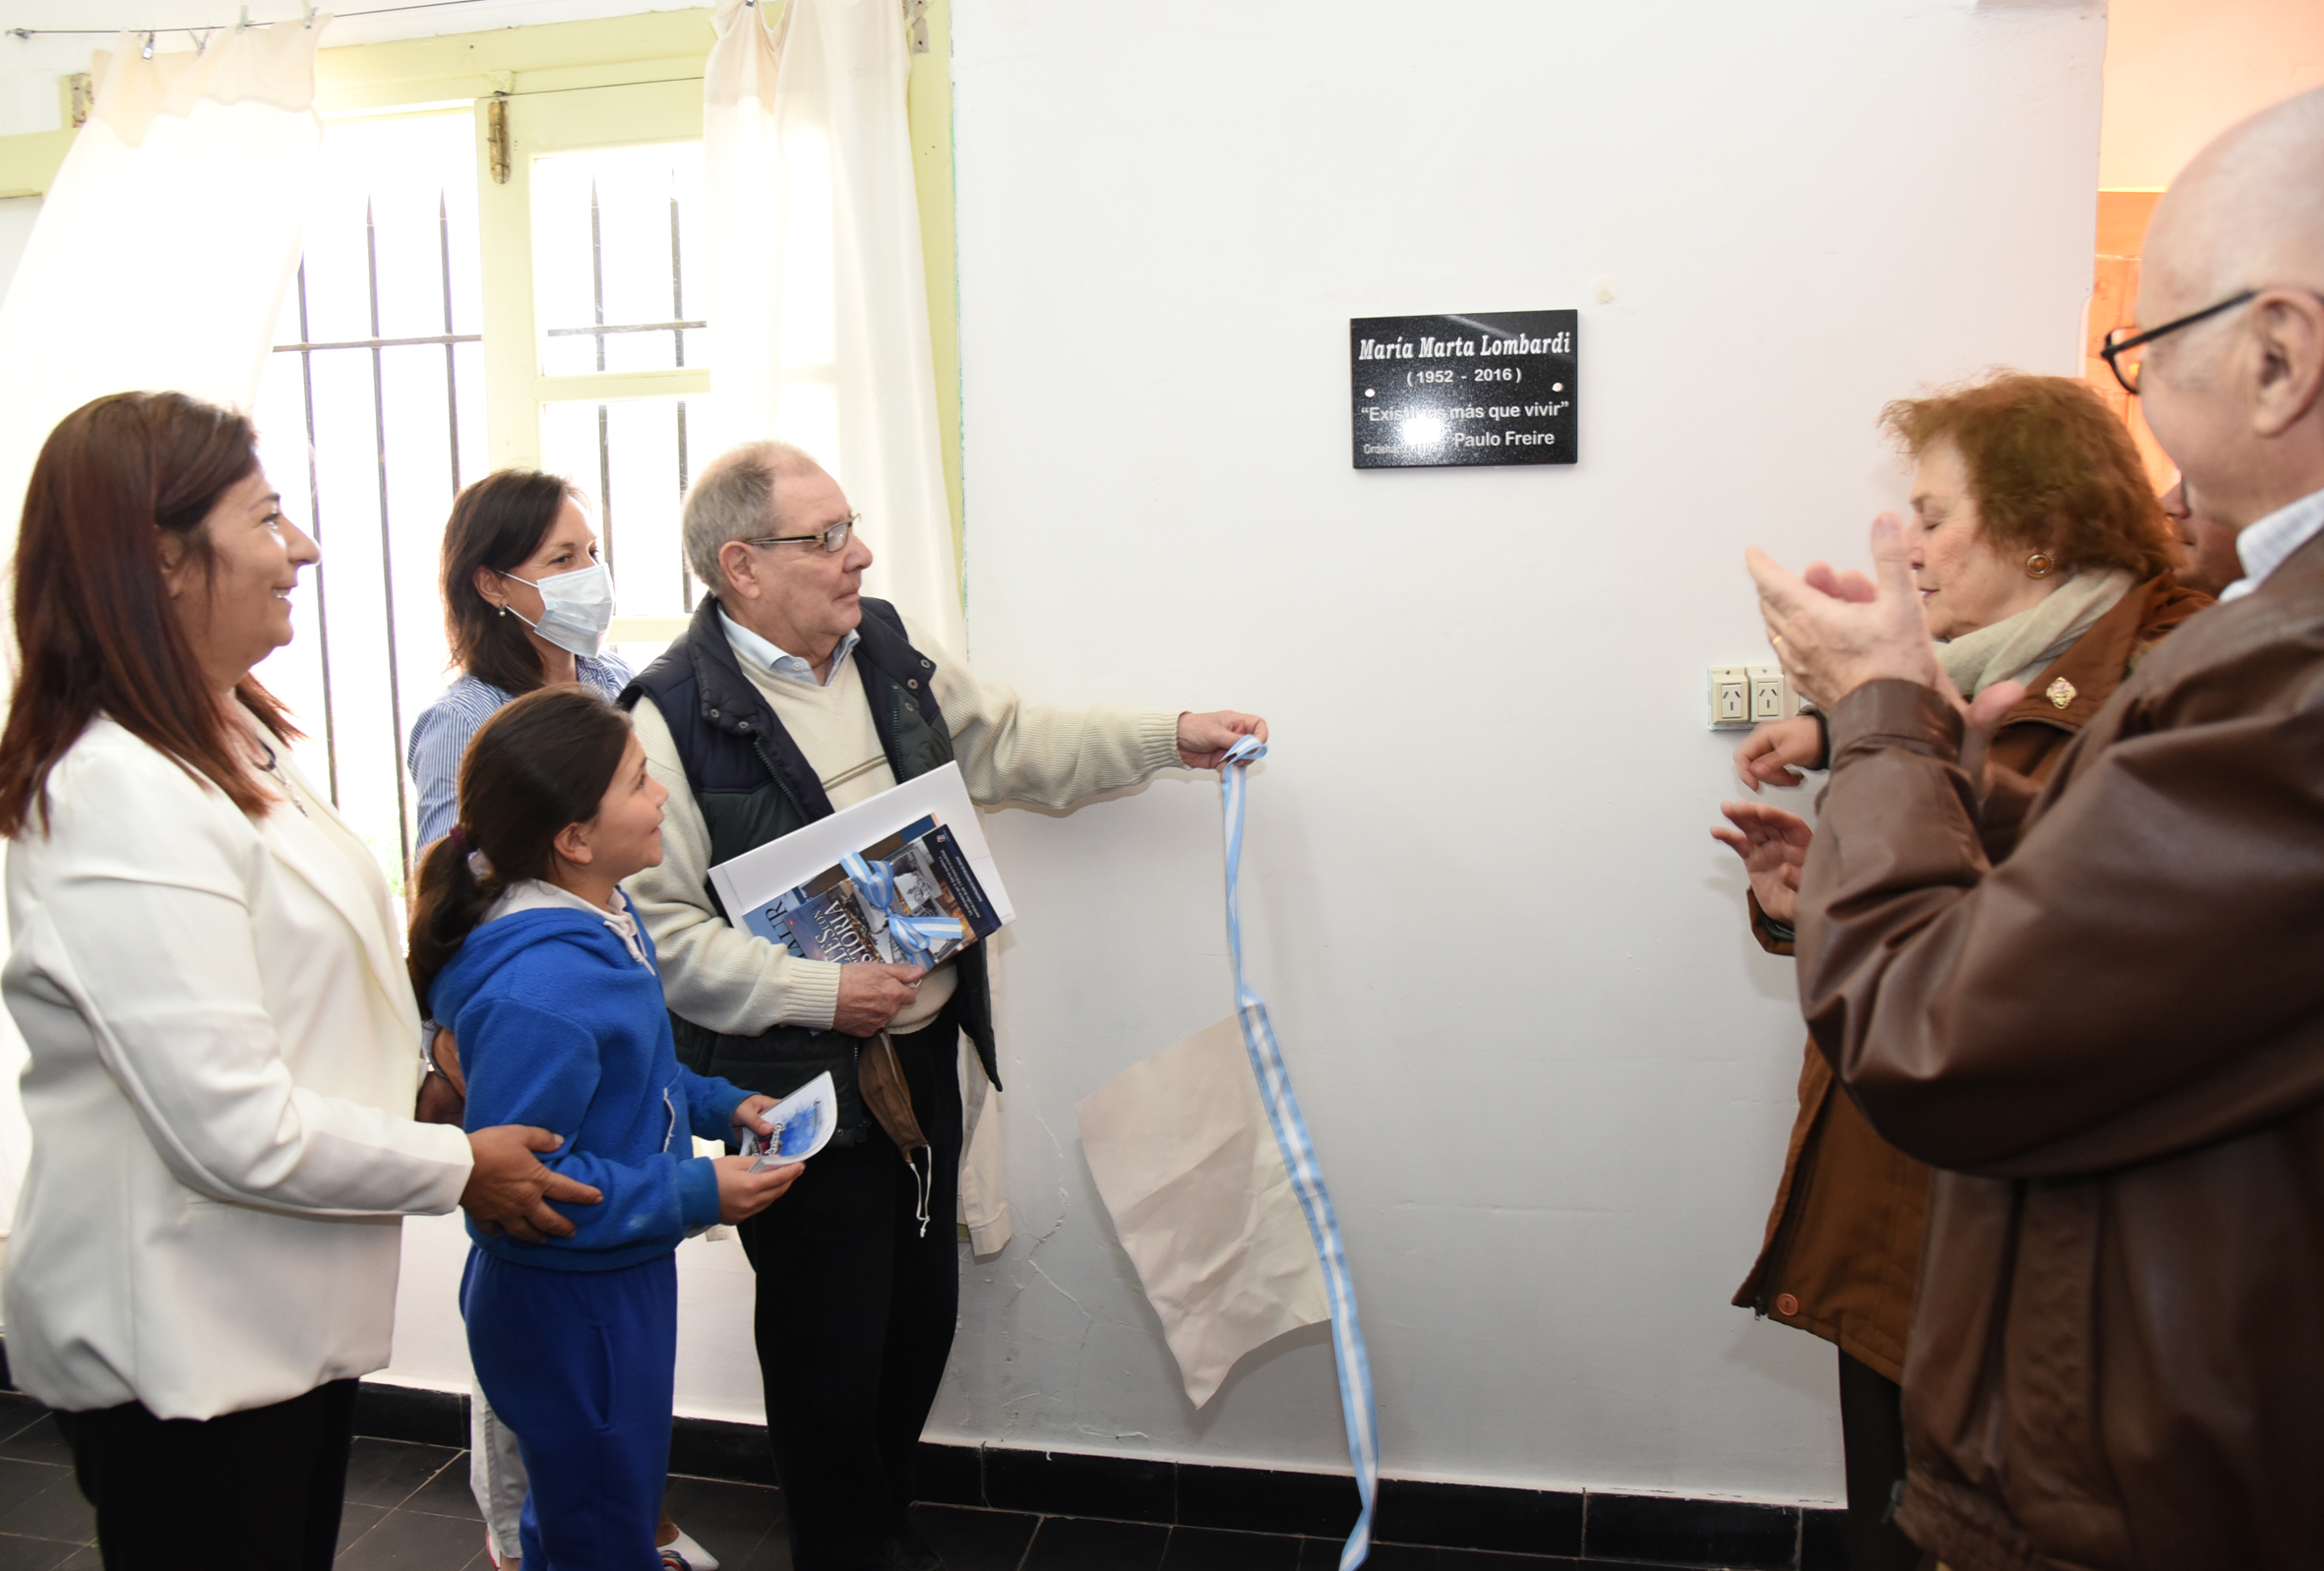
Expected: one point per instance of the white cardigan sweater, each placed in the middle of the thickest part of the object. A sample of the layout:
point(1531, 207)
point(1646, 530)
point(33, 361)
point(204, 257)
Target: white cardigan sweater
point(223, 1064)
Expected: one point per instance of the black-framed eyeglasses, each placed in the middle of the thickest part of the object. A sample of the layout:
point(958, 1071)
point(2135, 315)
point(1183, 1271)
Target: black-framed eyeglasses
point(833, 538)
point(2112, 350)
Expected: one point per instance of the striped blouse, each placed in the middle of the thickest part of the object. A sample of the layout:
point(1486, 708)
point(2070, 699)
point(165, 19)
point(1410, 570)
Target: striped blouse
point(440, 736)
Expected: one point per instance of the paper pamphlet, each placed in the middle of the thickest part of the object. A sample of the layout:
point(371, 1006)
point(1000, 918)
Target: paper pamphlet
point(791, 890)
point(803, 1124)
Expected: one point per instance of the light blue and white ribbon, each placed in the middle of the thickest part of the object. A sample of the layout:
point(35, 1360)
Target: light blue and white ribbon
point(915, 937)
point(1307, 1174)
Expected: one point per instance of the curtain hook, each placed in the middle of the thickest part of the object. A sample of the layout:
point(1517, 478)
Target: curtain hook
point(147, 52)
point(243, 25)
point(308, 6)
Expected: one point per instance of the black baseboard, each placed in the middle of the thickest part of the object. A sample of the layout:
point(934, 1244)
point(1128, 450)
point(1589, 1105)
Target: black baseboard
point(1661, 1529)
point(1667, 1531)
point(406, 1413)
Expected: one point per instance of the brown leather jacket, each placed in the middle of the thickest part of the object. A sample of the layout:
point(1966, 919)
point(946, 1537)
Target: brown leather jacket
point(1842, 1250)
point(2116, 1043)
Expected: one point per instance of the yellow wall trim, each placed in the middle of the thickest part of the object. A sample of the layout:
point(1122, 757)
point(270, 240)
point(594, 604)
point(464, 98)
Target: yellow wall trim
point(29, 162)
point(460, 67)
point(659, 47)
point(556, 56)
point(929, 102)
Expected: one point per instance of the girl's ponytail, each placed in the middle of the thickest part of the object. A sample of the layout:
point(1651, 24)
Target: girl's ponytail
point(450, 899)
point(541, 762)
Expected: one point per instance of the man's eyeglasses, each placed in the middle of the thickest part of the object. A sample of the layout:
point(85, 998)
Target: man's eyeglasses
point(2113, 350)
point(833, 538)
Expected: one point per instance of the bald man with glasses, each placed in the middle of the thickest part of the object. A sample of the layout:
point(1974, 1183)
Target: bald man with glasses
point(792, 695)
point(2112, 1042)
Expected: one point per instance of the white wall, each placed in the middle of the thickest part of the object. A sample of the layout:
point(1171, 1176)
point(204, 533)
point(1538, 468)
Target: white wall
point(2180, 71)
point(1549, 1073)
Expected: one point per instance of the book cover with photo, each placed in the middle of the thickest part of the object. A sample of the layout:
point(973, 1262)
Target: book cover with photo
point(832, 918)
point(817, 922)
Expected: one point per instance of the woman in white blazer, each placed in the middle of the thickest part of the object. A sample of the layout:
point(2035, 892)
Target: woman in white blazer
point(223, 1043)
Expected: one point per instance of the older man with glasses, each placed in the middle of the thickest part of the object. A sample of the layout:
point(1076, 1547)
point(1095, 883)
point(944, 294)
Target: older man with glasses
point(791, 696)
point(2114, 1040)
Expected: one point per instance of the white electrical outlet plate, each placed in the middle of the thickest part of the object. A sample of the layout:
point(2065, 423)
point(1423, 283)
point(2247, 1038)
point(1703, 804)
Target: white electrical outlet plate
point(1730, 699)
point(1771, 695)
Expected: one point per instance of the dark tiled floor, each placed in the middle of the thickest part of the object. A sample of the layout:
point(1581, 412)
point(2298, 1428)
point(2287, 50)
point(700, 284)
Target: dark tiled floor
point(409, 1509)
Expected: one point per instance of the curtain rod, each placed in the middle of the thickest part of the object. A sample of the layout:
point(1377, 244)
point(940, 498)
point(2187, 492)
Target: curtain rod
point(245, 21)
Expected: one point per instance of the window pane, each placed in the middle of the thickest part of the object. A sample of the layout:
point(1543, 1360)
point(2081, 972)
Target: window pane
point(617, 238)
point(389, 190)
point(368, 440)
point(634, 459)
point(364, 743)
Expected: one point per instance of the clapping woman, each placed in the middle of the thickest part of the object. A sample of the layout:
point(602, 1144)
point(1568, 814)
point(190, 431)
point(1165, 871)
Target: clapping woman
point(222, 1040)
point(2044, 562)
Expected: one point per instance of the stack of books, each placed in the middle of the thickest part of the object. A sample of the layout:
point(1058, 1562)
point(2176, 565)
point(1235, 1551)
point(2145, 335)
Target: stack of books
point(836, 916)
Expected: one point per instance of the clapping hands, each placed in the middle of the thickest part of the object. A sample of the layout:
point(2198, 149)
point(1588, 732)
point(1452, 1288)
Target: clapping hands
point(1773, 845)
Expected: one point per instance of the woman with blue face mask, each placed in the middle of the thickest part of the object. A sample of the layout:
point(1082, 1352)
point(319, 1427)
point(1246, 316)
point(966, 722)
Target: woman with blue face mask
point(527, 604)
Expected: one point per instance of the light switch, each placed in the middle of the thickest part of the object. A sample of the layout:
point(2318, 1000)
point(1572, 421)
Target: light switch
point(1770, 693)
point(1730, 699)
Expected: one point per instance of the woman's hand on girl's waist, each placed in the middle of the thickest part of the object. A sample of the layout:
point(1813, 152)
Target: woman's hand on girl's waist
point(509, 1190)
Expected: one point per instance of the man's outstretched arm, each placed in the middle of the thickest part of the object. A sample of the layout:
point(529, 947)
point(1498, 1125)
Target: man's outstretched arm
point(1052, 757)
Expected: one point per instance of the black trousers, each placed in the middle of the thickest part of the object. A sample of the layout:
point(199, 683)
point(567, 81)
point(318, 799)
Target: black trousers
point(1873, 1444)
point(855, 1316)
point(255, 1491)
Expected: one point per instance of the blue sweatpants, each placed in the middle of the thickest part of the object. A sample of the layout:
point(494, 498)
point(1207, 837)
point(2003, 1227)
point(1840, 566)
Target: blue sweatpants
point(580, 1364)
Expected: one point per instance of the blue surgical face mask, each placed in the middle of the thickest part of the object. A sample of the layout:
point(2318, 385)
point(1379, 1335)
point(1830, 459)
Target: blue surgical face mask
point(576, 608)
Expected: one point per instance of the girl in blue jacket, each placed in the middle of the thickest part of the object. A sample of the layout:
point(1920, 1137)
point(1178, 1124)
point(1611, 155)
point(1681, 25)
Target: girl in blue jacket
point(525, 947)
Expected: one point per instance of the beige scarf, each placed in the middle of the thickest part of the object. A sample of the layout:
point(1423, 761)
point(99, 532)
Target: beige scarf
point(2017, 648)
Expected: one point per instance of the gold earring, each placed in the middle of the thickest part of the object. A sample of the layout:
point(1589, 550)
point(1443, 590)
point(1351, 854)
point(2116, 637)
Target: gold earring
point(2039, 566)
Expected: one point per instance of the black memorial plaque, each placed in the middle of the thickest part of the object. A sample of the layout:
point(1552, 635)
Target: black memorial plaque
point(1437, 391)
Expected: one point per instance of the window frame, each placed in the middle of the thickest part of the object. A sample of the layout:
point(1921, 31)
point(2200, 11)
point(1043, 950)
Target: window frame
point(656, 58)
point(517, 391)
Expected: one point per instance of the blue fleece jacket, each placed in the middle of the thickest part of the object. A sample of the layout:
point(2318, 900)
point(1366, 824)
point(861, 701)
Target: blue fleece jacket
point(560, 1026)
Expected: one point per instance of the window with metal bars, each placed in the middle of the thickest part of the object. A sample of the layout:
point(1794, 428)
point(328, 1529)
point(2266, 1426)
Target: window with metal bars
point(372, 412)
point(616, 234)
point(371, 418)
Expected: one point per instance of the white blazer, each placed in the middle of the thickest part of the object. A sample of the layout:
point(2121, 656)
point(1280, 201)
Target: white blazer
point(223, 1055)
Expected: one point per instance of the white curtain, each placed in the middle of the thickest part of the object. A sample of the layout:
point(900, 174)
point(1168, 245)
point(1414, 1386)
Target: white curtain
point(158, 261)
point(818, 304)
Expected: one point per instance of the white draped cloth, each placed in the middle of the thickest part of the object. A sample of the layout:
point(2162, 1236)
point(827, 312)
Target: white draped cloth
point(164, 245)
point(158, 261)
point(817, 293)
